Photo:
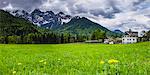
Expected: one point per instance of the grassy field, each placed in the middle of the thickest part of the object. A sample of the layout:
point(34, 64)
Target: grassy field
point(75, 59)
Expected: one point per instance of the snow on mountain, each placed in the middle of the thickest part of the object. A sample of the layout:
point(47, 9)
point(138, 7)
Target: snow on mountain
point(46, 19)
point(63, 17)
point(51, 20)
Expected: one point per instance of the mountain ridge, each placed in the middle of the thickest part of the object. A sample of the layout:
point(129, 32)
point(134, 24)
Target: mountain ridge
point(83, 26)
point(47, 19)
point(60, 22)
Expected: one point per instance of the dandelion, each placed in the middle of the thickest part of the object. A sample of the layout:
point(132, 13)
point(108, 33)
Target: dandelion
point(44, 63)
point(102, 62)
point(113, 61)
point(19, 63)
point(59, 59)
point(41, 61)
point(14, 72)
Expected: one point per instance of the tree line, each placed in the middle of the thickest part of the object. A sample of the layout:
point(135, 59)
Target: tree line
point(50, 38)
point(146, 37)
point(55, 38)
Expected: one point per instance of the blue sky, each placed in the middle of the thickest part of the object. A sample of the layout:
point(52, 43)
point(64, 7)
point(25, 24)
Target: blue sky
point(113, 14)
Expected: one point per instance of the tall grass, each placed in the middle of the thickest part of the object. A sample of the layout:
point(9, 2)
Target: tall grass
point(75, 59)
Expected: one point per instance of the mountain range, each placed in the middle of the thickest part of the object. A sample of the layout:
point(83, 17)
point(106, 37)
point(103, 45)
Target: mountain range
point(62, 23)
point(83, 26)
point(47, 19)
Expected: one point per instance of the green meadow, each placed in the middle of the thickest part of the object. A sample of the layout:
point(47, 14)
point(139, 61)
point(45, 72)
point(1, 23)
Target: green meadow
point(75, 59)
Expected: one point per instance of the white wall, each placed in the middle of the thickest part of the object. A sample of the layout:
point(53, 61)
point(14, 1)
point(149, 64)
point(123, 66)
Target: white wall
point(127, 40)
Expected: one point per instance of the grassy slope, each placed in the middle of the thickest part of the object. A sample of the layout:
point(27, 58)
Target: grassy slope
point(10, 25)
point(74, 59)
point(83, 26)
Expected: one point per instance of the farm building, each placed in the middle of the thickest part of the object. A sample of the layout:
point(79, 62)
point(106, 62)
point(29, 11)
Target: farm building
point(130, 37)
point(113, 41)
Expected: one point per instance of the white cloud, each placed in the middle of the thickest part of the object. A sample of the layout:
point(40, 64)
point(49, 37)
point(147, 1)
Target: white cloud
point(9, 7)
point(129, 11)
point(109, 13)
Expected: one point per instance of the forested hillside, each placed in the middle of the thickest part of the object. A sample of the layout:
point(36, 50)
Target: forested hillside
point(18, 30)
point(10, 25)
point(83, 26)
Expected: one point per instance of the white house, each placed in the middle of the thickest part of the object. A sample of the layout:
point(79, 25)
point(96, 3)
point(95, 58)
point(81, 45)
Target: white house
point(130, 37)
point(108, 41)
point(111, 42)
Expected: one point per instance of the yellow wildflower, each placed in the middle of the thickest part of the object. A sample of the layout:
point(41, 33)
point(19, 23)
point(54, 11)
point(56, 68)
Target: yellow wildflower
point(59, 59)
point(102, 62)
point(45, 63)
point(14, 72)
point(113, 61)
point(41, 61)
point(19, 63)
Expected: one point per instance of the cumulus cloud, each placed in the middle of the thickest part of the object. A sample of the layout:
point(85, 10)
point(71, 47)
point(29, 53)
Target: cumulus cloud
point(109, 13)
point(21, 4)
point(95, 7)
